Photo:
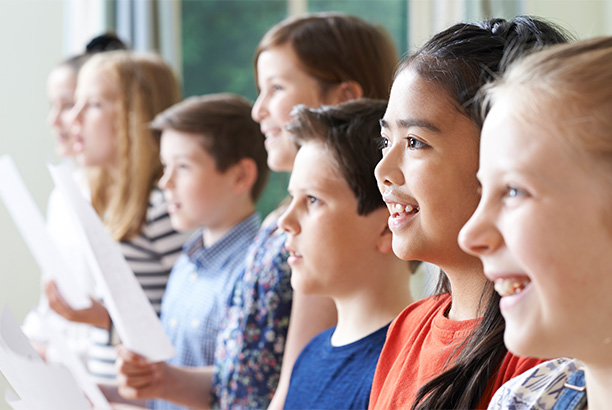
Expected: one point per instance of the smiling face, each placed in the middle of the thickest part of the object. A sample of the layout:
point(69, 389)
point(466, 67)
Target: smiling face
point(196, 192)
point(428, 172)
point(61, 85)
point(542, 231)
point(283, 84)
point(95, 120)
point(325, 232)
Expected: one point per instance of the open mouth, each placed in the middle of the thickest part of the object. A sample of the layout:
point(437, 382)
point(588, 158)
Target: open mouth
point(399, 210)
point(511, 286)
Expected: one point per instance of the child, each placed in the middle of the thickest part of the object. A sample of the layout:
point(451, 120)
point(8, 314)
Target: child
point(255, 340)
point(215, 169)
point(118, 94)
point(543, 228)
point(442, 352)
point(61, 85)
point(340, 246)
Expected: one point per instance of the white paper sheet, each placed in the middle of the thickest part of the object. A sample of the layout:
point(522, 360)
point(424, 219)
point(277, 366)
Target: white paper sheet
point(39, 385)
point(30, 222)
point(81, 375)
point(133, 316)
point(15, 402)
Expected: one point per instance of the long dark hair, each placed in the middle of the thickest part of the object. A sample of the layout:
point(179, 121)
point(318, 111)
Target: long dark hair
point(461, 60)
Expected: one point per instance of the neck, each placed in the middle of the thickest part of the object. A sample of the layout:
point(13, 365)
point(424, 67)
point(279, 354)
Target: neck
point(212, 234)
point(467, 283)
point(598, 381)
point(373, 305)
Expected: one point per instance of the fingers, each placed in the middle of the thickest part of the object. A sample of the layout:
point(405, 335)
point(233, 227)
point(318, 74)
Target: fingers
point(57, 302)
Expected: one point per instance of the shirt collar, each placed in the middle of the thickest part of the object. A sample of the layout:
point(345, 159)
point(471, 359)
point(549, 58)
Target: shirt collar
point(215, 256)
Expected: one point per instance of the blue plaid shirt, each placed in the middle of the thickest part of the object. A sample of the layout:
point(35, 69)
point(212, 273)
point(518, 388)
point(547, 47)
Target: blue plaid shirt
point(198, 292)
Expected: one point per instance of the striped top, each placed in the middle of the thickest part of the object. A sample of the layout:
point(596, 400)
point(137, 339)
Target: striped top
point(150, 255)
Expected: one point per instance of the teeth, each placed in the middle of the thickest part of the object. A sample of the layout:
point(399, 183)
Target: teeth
point(399, 208)
point(508, 287)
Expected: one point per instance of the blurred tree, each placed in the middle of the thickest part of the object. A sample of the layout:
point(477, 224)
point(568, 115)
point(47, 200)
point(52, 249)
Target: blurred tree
point(220, 37)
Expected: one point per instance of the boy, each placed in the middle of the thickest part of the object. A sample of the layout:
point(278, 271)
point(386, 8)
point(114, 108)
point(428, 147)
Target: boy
point(214, 170)
point(340, 246)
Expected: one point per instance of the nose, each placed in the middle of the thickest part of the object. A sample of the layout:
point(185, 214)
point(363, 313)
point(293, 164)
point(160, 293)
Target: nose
point(53, 117)
point(288, 222)
point(388, 172)
point(75, 116)
point(480, 236)
point(166, 181)
point(259, 110)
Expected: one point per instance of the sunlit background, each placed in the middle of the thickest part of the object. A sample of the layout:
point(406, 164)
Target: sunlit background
point(210, 44)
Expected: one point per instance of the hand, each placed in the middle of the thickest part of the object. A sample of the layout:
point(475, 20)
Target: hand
point(138, 378)
point(95, 315)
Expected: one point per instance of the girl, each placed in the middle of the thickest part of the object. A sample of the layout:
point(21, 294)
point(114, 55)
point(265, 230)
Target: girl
point(118, 94)
point(427, 176)
point(255, 340)
point(292, 69)
point(543, 228)
point(61, 85)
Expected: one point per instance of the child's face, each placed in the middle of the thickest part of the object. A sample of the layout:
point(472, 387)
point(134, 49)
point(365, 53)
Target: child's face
point(428, 171)
point(197, 193)
point(326, 235)
point(60, 91)
point(94, 120)
point(283, 84)
point(541, 234)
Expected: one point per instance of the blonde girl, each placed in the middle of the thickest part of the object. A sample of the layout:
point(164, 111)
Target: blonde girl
point(543, 228)
point(118, 94)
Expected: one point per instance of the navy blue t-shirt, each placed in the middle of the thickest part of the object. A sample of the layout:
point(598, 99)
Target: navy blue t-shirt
point(330, 377)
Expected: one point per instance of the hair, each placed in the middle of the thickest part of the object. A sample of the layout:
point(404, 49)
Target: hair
point(99, 44)
point(569, 78)
point(146, 86)
point(349, 132)
point(224, 128)
point(460, 60)
point(464, 57)
point(334, 48)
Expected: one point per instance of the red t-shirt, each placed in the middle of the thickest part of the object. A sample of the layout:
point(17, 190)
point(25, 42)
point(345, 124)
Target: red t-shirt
point(419, 344)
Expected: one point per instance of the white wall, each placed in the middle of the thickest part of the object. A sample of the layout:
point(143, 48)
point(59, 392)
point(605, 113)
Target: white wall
point(31, 33)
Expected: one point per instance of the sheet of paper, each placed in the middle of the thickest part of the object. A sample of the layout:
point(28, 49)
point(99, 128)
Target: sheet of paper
point(39, 385)
point(30, 222)
point(133, 316)
point(77, 368)
point(15, 402)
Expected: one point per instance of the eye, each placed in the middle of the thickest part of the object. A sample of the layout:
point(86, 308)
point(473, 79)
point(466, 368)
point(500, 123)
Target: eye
point(514, 192)
point(414, 143)
point(275, 88)
point(312, 200)
point(382, 142)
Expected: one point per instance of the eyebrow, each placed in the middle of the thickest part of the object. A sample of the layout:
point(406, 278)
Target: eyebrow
point(409, 123)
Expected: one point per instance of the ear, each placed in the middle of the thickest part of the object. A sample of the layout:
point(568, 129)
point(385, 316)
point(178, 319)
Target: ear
point(384, 244)
point(346, 91)
point(245, 175)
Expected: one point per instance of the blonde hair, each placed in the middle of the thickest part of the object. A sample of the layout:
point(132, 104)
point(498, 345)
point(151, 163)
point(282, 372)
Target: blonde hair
point(145, 86)
point(569, 85)
point(336, 47)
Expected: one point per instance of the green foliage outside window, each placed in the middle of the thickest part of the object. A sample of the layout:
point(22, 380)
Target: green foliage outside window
point(220, 37)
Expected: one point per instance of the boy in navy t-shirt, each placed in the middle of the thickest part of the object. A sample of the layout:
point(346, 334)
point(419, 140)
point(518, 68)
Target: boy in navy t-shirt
point(340, 246)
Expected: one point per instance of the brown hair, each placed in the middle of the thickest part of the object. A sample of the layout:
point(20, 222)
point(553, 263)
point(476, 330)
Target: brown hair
point(349, 131)
point(146, 85)
point(225, 130)
point(335, 47)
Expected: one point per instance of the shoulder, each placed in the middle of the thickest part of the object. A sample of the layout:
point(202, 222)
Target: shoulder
point(421, 311)
point(538, 387)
